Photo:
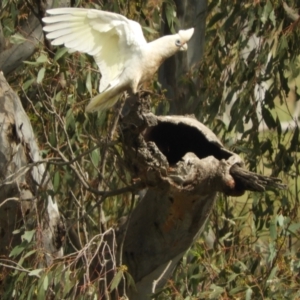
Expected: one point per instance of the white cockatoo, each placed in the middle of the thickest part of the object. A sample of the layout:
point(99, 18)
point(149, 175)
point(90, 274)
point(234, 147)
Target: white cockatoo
point(118, 45)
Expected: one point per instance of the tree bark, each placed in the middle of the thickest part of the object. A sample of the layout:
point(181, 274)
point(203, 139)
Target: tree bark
point(13, 55)
point(24, 202)
point(191, 13)
point(183, 165)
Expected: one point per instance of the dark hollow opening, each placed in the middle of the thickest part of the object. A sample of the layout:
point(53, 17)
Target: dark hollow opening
point(175, 140)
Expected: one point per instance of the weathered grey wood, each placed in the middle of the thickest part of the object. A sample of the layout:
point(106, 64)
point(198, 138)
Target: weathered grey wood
point(23, 180)
point(12, 56)
point(183, 165)
point(246, 180)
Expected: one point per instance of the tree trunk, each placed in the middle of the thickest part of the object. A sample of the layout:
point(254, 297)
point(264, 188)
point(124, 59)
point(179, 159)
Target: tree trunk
point(183, 165)
point(25, 203)
point(191, 13)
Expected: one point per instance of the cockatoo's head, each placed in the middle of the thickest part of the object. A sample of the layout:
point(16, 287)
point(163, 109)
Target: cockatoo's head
point(183, 37)
point(168, 45)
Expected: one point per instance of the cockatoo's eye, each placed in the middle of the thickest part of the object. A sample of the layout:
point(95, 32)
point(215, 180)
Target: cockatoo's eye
point(178, 43)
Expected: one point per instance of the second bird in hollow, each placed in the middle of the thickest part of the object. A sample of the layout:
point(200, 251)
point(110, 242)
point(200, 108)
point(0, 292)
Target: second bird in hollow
point(118, 45)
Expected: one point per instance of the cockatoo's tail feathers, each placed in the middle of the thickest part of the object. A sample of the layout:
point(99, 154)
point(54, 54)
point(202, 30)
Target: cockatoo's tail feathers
point(102, 101)
point(186, 35)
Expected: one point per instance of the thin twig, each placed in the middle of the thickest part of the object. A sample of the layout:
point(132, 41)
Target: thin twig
point(18, 268)
point(132, 188)
point(109, 139)
point(126, 228)
point(155, 282)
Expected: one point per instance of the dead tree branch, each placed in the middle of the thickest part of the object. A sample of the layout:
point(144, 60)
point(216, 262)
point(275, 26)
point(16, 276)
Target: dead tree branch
point(183, 165)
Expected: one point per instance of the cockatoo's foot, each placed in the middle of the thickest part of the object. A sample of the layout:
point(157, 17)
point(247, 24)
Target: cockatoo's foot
point(145, 93)
point(125, 95)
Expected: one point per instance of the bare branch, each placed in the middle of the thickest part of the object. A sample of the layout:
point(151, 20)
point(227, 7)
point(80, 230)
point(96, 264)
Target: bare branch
point(13, 57)
point(246, 180)
point(32, 31)
point(2, 39)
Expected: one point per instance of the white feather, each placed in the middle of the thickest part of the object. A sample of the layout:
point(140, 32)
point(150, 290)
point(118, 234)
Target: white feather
point(68, 39)
point(66, 10)
point(117, 45)
point(104, 35)
point(63, 18)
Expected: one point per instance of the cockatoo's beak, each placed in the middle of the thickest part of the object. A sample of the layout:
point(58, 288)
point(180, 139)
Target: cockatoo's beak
point(185, 35)
point(184, 47)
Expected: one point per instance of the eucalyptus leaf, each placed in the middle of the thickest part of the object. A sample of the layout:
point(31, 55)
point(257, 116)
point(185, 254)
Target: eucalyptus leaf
point(17, 39)
point(35, 272)
point(41, 75)
point(116, 280)
point(28, 235)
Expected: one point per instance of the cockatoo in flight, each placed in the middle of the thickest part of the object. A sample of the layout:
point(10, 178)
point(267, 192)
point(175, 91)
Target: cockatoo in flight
point(118, 45)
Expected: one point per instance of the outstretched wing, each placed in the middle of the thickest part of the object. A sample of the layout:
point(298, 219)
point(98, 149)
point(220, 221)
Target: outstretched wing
point(111, 38)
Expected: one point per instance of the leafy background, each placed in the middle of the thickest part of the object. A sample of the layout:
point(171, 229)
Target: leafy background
point(245, 89)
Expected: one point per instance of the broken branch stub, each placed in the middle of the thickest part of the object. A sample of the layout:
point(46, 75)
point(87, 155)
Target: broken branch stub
point(183, 165)
point(178, 151)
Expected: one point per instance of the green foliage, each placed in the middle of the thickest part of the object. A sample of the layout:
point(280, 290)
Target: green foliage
point(249, 87)
point(83, 154)
point(254, 254)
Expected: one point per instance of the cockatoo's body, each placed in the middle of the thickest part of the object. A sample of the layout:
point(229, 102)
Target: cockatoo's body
point(118, 46)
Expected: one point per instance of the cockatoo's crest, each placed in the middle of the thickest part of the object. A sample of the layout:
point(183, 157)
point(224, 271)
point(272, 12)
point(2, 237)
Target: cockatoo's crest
point(185, 36)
